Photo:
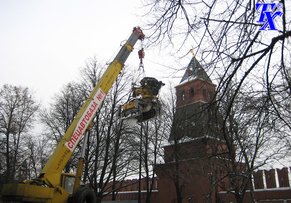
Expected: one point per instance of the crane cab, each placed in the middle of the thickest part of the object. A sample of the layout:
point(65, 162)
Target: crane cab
point(67, 182)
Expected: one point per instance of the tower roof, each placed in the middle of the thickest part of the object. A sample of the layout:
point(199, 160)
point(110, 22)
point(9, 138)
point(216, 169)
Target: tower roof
point(194, 71)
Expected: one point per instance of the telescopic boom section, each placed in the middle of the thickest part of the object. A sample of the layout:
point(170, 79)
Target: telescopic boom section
point(52, 171)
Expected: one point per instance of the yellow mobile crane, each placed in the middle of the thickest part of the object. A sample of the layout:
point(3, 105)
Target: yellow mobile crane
point(53, 186)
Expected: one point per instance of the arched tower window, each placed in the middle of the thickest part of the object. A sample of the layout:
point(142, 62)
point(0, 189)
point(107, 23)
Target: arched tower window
point(183, 95)
point(191, 92)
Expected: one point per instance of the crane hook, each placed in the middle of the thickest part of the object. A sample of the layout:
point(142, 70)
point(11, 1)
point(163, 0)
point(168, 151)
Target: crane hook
point(141, 56)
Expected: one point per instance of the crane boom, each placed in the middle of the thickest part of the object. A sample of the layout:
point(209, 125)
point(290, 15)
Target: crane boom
point(55, 165)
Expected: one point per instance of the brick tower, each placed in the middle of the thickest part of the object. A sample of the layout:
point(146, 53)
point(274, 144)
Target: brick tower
point(195, 112)
point(189, 169)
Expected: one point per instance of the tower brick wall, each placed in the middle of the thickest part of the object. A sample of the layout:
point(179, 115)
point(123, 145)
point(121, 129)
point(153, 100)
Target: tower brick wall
point(194, 91)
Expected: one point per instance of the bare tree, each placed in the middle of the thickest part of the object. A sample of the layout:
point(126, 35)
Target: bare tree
point(249, 136)
point(251, 67)
point(59, 116)
point(110, 155)
point(62, 112)
point(17, 111)
point(171, 168)
point(37, 153)
point(147, 142)
point(233, 48)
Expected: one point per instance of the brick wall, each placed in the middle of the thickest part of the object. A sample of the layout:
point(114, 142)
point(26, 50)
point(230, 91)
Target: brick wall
point(129, 190)
point(272, 186)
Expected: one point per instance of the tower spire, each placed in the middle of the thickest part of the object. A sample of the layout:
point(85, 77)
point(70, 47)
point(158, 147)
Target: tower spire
point(194, 71)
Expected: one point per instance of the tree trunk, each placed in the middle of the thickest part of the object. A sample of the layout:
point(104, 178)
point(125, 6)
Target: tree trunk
point(8, 168)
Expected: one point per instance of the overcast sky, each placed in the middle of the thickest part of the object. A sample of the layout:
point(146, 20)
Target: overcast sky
point(44, 43)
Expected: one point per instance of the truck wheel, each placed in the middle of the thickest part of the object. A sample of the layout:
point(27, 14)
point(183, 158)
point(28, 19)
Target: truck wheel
point(84, 195)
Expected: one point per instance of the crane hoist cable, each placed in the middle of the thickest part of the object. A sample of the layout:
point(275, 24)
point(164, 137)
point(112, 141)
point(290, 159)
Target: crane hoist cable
point(141, 55)
point(143, 102)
